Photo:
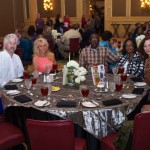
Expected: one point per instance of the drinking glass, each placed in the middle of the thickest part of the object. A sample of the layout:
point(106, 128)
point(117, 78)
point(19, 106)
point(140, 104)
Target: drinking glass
point(115, 70)
point(121, 70)
point(124, 77)
point(34, 82)
point(84, 91)
point(55, 67)
point(111, 85)
point(28, 84)
point(119, 86)
point(25, 74)
point(44, 91)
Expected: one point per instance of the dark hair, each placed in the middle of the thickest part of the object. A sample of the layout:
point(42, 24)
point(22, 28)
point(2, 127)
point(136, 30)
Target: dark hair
point(31, 30)
point(142, 52)
point(106, 36)
point(124, 52)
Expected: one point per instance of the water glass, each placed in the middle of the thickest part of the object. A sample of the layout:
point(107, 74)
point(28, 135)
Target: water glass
point(28, 84)
point(115, 70)
point(44, 91)
point(111, 85)
point(84, 90)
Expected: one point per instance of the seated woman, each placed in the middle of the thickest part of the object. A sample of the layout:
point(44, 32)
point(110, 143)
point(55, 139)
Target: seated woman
point(131, 60)
point(42, 56)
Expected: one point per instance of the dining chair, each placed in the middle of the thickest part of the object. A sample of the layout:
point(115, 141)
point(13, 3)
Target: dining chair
point(140, 135)
point(10, 135)
point(53, 134)
point(74, 47)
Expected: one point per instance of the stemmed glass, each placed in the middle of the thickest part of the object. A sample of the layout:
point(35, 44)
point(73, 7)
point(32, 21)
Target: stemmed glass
point(111, 85)
point(84, 91)
point(55, 67)
point(28, 84)
point(44, 91)
point(34, 79)
point(25, 74)
point(115, 70)
point(49, 91)
point(47, 71)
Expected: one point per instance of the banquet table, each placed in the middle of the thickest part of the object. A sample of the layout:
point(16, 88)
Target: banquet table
point(97, 121)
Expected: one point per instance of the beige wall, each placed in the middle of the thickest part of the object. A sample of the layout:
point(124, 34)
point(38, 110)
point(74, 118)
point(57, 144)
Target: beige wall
point(11, 14)
point(128, 18)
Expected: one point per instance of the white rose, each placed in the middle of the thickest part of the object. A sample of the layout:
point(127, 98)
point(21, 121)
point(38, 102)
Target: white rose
point(82, 78)
point(77, 80)
point(72, 63)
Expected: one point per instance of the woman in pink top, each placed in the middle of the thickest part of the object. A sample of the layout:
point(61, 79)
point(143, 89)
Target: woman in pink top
point(42, 56)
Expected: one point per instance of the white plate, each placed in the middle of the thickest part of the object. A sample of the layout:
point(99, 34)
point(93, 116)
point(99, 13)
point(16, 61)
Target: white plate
point(129, 96)
point(103, 91)
point(41, 103)
point(140, 84)
point(13, 92)
point(89, 104)
point(17, 80)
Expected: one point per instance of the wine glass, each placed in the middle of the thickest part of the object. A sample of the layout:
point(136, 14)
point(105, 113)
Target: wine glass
point(121, 69)
point(44, 91)
point(28, 84)
point(49, 90)
point(25, 74)
point(84, 91)
point(111, 85)
point(33, 82)
point(55, 67)
point(115, 70)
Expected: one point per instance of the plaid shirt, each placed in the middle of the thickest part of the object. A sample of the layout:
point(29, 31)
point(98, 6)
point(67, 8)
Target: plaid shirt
point(101, 55)
point(135, 65)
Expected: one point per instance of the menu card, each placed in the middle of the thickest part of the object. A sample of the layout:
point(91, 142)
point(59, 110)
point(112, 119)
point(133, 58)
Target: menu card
point(98, 74)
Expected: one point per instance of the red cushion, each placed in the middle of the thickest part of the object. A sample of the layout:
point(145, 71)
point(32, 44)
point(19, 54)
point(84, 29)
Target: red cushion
point(107, 142)
point(10, 136)
point(80, 144)
point(2, 118)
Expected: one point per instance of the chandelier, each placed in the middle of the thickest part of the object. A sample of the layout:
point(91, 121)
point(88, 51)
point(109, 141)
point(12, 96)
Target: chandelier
point(48, 5)
point(145, 4)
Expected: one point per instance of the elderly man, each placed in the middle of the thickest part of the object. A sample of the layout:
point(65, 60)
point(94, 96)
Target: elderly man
point(10, 64)
point(71, 33)
point(94, 54)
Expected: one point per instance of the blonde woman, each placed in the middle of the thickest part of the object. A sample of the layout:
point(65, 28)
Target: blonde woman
point(42, 56)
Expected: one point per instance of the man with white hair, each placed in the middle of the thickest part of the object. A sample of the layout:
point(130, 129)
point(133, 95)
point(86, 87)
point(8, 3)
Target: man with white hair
point(10, 64)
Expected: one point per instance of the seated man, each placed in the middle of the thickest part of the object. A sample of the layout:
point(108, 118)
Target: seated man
point(10, 64)
point(94, 54)
point(65, 39)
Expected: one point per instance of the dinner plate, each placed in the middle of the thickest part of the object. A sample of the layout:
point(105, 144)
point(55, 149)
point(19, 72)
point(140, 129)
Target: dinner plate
point(140, 84)
point(13, 92)
point(41, 103)
point(129, 96)
point(89, 104)
point(17, 80)
point(55, 88)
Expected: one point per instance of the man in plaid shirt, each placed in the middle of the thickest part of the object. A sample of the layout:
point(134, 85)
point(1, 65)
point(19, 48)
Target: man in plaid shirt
point(94, 54)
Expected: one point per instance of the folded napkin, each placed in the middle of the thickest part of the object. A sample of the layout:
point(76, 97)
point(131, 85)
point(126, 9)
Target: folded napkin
point(138, 91)
point(22, 98)
point(136, 79)
point(111, 102)
point(66, 104)
point(11, 87)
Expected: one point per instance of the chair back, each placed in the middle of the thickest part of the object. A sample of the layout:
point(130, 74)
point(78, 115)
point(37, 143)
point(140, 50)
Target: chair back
point(74, 45)
point(51, 134)
point(141, 132)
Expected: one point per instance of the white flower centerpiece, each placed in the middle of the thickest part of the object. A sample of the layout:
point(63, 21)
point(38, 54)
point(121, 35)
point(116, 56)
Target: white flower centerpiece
point(76, 74)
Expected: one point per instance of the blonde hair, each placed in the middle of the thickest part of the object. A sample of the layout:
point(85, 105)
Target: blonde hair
point(49, 54)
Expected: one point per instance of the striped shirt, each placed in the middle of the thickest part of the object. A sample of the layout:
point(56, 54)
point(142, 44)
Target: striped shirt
point(135, 65)
point(101, 55)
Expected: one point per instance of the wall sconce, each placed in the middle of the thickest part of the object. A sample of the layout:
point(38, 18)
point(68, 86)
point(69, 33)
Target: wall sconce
point(145, 4)
point(48, 5)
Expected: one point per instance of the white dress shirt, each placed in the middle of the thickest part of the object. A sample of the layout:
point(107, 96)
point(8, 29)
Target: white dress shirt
point(10, 67)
